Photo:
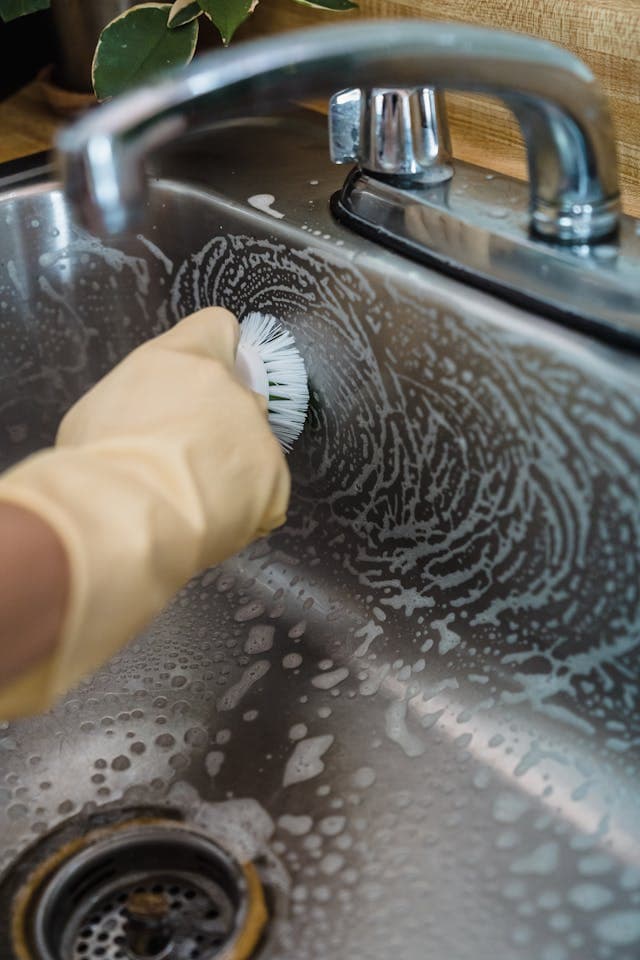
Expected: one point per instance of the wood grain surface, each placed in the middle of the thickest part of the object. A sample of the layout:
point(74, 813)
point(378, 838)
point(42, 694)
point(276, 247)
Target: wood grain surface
point(606, 35)
point(27, 124)
point(29, 119)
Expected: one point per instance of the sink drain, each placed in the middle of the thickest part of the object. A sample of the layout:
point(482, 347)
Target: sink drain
point(139, 891)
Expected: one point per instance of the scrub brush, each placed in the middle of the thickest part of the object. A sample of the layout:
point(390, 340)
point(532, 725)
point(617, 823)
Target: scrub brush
point(268, 362)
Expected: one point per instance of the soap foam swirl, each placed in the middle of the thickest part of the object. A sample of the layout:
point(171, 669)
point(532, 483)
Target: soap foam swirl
point(467, 468)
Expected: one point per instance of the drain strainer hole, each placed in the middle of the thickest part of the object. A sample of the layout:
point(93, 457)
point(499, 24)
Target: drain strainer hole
point(185, 922)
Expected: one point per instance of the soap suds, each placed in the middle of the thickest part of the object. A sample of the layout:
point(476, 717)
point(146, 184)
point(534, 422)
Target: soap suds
point(213, 762)
point(291, 661)
point(232, 697)
point(326, 681)
point(306, 760)
point(296, 826)
point(260, 639)
point(540, 862)
point(397, 731)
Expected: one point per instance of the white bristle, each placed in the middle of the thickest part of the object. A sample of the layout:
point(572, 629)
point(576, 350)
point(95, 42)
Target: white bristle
point(288, 389)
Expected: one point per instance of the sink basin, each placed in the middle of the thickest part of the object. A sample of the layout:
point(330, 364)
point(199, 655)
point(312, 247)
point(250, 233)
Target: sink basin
point(428, 679)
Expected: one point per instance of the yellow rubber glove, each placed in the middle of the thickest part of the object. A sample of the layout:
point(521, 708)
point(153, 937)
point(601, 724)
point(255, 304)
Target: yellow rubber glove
point(163, 468)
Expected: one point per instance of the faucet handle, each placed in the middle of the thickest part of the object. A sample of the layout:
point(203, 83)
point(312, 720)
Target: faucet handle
point(392, 132)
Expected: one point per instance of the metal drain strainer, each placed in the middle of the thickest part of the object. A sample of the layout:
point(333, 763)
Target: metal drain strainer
point(142, 892)
point(196, 923)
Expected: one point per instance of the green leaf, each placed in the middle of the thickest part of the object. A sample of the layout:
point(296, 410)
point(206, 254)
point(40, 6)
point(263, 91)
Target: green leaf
point(137, 46)
point(183, 11)
point(338, 6)
point(227, 15)
point(12, 9)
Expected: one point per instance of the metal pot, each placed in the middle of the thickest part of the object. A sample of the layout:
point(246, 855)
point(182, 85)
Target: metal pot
point(78, 24)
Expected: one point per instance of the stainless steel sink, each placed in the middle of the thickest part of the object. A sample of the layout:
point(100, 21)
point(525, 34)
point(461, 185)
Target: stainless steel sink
point(428, 679)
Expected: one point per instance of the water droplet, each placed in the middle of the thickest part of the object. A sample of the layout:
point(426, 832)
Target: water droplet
point(298, 731)
point(297, 631)
point(250, 611)
point(260, 639)
point(178, 761)
point(165, 740)
point(332, 826)
point(196, 737)
point(590, 896)
point(213, 762)
point(120, 763)
point(291, 660)
point(17, 811)
point(363, 778)
point(619, 928)
point(296, 826)
point(331, 864)
point(326, 681)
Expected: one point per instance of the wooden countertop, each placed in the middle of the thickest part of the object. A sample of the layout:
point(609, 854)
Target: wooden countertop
point(28, 123)
point(29, 119)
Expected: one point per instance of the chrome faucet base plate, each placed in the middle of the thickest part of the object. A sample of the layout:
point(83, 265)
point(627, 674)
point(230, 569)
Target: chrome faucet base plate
point(476, 227)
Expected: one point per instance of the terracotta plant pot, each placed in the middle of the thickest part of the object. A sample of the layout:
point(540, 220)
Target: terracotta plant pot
point(66, 103)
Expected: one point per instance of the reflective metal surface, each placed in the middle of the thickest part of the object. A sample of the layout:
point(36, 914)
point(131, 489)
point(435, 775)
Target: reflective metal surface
point(426, 684)
point(402, 134)
point(477, 226)
point(78, 24)
point(563, 115)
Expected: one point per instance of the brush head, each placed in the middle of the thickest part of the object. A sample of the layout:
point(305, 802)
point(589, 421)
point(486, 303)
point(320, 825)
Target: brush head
point(269, 362)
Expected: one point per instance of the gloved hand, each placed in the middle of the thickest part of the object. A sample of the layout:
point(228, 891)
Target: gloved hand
point(163, 468)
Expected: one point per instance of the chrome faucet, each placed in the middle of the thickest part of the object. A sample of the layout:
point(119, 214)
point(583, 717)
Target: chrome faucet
point(558, 244)
point(564, 118)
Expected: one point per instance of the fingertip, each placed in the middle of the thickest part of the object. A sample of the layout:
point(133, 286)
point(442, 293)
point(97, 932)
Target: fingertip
point(217, 319)
point(222, 318)
point(213, 332)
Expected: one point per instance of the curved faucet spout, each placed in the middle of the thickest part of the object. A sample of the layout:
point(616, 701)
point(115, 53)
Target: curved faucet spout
point(564, 117)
